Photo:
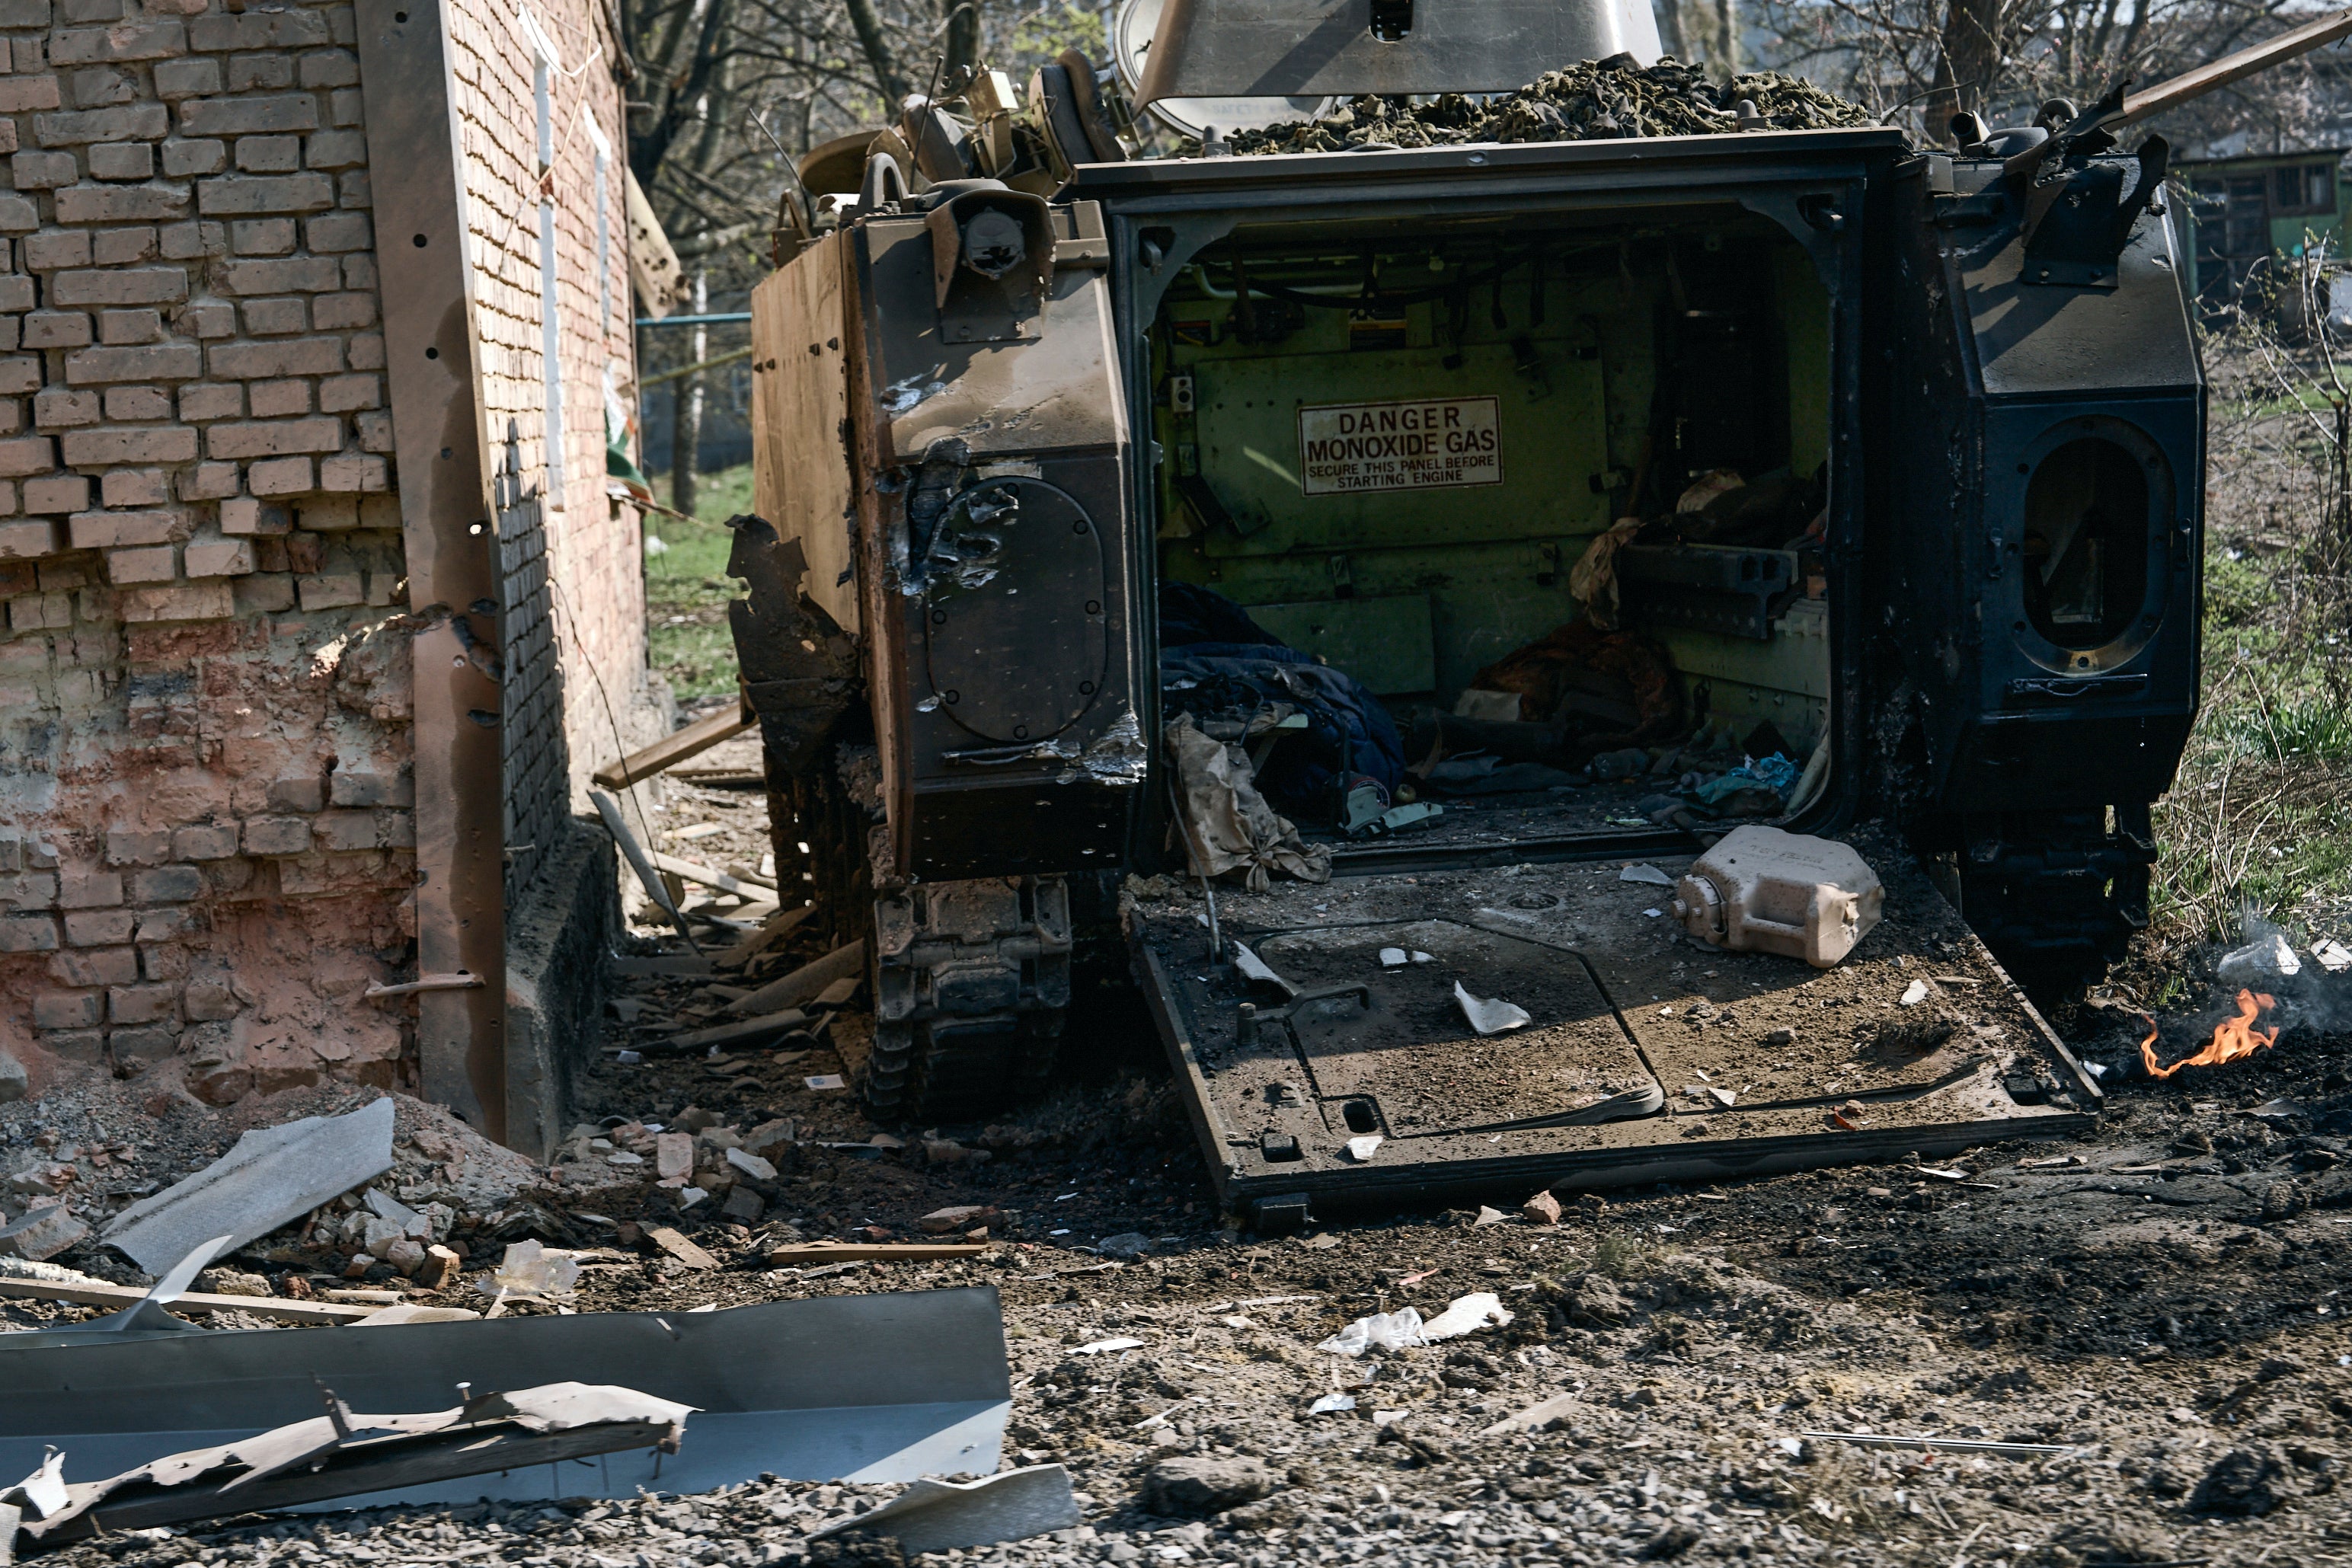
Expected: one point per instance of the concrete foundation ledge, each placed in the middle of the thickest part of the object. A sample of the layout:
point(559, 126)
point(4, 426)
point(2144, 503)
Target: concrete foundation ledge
point(559, 929)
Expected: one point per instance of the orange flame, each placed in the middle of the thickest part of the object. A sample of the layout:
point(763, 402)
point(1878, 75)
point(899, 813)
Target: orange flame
point(2232, 1038)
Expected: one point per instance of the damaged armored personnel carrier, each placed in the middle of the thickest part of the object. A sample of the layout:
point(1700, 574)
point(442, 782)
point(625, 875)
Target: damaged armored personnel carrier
point(1511, 518)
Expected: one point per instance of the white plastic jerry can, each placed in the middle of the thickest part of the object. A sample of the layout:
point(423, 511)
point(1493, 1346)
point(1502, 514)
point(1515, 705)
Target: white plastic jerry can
point(1761, 890)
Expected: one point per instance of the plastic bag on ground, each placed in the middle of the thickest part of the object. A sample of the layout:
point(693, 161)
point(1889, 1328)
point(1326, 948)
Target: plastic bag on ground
point(531, 1269)
point(1469, 1314)
point(1382, 1331)
point(1403, 1328)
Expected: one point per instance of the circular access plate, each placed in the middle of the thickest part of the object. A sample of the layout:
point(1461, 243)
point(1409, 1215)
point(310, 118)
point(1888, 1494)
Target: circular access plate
point(1016, 633)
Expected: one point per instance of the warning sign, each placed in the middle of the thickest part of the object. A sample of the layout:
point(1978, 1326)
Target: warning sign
point(1350, 448)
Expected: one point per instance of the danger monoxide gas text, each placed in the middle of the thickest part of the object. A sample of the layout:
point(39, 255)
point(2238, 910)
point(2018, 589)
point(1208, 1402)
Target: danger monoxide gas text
point(1350, 448)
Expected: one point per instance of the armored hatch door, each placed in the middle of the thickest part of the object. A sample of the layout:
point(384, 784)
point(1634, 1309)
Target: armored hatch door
point(996, 438)
point(1355, 1076)
point(799, 396)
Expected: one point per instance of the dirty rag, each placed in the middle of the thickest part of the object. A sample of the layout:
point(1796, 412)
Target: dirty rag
point(1540, 674)
point(1592, 580)
point(1228, 825)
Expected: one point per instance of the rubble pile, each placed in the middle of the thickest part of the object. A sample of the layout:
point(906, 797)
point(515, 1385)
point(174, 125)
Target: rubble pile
point(1589, 101)
point(2109, 1351)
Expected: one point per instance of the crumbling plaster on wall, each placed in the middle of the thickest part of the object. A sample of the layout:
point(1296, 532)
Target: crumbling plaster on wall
point(206, 841)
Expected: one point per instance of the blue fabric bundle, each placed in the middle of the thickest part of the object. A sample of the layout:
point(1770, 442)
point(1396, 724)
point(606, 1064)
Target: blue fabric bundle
point(1214, 659)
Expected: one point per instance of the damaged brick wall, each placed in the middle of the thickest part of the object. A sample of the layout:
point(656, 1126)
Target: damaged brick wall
point(542, 127)
point(205, 841)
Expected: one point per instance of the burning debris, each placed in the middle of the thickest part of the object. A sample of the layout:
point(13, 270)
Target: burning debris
point(2233, 1038)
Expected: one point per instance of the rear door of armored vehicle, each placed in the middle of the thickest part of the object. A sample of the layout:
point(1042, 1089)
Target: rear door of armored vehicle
point(1616, 321)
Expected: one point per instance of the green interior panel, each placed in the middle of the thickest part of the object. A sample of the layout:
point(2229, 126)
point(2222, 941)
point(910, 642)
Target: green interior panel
point(1254, 446)
point(1415, 587)
point(1384, 642)
point(1785, 678)
point(1485, 599)
point(1805, 319)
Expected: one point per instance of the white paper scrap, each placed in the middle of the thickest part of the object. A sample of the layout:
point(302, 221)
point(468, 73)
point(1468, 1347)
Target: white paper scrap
point(1490, 1014)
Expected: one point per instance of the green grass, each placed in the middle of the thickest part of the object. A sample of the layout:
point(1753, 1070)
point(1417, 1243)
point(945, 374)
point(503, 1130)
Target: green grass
point(2254, 822)
point(688, 589)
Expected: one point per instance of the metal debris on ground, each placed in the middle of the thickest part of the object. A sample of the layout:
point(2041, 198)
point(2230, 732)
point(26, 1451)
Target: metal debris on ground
point(942, 1516)
point(1253, 968)
point(871, 1388)
point(341, 1454)
point(1946, 1445)
point(1591, 101)
point(272, 1175)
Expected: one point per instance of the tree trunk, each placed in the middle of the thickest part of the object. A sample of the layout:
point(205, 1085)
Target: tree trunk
point(1671, 13)
point(1723, 54)
point(1971, 58)
point(868, 27)
point(686, 420)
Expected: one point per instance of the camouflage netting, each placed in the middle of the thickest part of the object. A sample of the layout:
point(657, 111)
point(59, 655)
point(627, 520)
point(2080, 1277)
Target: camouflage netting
point(1589, 101)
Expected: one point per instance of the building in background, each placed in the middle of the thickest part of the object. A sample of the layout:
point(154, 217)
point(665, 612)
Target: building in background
point(2245, 211)
point(316, 610)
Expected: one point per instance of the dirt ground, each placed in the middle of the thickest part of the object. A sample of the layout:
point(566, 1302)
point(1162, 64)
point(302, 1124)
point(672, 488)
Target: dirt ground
point(2161, 1301)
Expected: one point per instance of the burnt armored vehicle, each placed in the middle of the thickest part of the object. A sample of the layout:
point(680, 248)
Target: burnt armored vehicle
point(1895, 459)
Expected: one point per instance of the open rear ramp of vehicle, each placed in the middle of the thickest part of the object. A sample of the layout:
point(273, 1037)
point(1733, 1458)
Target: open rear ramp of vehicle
point(1355, 1079)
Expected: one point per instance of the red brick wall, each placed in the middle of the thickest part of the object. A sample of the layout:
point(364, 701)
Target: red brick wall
point(205, 847)
point(593, 552)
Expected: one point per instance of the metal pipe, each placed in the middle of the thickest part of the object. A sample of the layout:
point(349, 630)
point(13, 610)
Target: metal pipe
point(718, 318)
point(726, 359)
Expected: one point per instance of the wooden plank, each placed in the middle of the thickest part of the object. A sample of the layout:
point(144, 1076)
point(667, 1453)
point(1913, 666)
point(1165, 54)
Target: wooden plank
point(680, 1248)
point(2220, 73)
point(708, 876)
point(873, 1252)
point(800, 399)
point(647, 877)
point(735, 1034)
point(672, 749)
point(806, 982)
point(772, 930)
point(668, 964)
point(276, 1307)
